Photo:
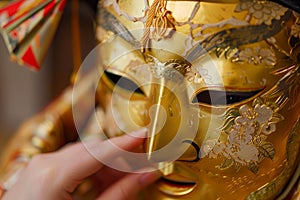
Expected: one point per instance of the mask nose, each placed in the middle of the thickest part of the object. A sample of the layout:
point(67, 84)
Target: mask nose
point(171, 124)
point(164, 123)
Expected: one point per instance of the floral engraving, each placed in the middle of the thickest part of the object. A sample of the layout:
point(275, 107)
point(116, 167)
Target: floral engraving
point(263, 11)
point(256, 56)
point(245, 142)
point(245, 132)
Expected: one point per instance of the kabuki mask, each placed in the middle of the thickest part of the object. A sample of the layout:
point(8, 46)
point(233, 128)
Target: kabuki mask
point(217, 85)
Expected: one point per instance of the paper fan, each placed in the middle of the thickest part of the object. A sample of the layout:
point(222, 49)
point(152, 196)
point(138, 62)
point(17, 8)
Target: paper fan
point(28, 27)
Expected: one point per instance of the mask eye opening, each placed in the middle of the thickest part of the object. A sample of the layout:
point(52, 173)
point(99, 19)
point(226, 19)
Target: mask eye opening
point(123, 82)
point(223, 97)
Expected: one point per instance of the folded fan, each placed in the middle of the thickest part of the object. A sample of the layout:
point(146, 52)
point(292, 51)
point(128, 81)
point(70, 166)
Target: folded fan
point(28, 27)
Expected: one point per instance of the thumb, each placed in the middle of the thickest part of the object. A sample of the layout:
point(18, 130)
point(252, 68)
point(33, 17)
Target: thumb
point(129, 186)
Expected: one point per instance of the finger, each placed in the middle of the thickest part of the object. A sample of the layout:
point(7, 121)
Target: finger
point(82, 160)
point(116, 146)
point(105, 177)
point(130, 186)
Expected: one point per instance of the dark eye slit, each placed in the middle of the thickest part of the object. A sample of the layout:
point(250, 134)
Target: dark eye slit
point(123, 82)
point(217, 97)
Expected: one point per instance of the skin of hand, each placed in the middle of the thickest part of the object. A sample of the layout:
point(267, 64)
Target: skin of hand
point(56, 175)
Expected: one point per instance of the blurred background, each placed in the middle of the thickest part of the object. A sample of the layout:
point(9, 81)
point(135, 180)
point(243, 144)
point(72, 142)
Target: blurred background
point(24, 92)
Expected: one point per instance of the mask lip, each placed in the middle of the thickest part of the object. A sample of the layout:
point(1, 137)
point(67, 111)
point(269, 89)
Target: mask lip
point(175, 187)
point(174, 183)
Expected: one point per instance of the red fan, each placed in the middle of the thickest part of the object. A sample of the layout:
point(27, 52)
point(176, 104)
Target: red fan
point(28, 27)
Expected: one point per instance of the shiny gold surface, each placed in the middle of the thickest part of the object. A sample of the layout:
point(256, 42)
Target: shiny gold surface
point(216, 83)
point(245, 146)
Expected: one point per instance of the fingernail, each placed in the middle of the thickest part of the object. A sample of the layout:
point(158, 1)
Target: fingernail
point(149, 177)
point(141, 133)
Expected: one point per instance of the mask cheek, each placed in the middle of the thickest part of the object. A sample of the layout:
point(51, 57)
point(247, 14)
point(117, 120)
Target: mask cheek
point(128, 115)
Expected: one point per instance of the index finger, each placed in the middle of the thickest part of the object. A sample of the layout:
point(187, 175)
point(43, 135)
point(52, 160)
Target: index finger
point(82, 160)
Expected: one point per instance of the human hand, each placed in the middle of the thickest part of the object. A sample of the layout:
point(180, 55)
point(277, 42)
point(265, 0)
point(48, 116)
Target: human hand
point(56, 175)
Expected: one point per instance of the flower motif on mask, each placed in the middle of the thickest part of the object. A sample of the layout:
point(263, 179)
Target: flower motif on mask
point(256, 56)
point(245, 142)
point(263, 11)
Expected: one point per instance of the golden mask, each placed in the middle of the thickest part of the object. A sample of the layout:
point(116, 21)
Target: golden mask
point(216, 83)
